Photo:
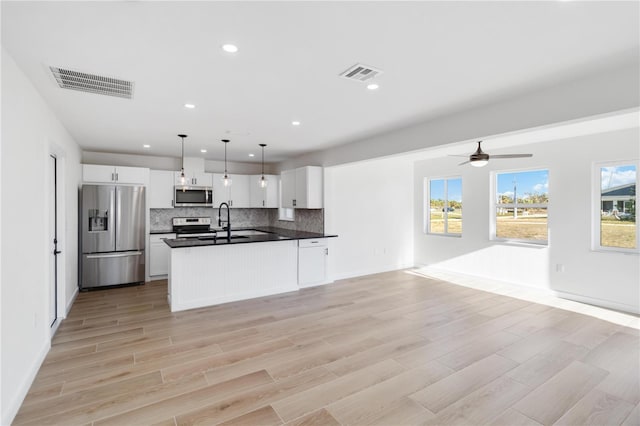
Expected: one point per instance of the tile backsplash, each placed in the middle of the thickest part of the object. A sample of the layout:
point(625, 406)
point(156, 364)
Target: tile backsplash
point(160, 219)
point(311, 220)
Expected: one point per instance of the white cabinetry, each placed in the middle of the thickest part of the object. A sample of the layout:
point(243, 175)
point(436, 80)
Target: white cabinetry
point(92, 173)
point(237, 194)
point(312, 262)
point(302, 188)
point(159, 253)
point(264, 197)
point(160, 194)
point(194, 179)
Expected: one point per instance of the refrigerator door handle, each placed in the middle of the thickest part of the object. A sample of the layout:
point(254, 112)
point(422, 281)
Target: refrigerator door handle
point(111, 255)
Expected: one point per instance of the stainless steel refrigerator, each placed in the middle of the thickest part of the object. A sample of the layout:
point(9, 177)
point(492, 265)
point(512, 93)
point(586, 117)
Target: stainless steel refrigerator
point(112, 227)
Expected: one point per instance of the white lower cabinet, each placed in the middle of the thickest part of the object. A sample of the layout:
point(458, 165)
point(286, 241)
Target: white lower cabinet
point(312, 262)
point(159, 253)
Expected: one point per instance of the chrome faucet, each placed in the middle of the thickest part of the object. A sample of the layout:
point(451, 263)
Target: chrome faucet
point(228, 221)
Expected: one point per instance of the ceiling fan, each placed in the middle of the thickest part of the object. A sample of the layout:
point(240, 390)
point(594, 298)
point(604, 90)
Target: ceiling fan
point(481, 158)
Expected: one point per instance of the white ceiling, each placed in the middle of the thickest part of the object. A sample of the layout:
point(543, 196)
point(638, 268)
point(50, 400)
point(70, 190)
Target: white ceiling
point(437, 57)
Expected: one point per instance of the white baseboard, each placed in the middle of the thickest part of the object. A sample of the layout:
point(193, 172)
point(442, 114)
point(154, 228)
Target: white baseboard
point(370, 271)
point(10, 411)
point(599, 302)
point(70, 303)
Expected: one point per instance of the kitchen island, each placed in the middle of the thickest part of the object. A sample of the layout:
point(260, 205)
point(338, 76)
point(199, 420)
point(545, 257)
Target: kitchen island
point(252, 263)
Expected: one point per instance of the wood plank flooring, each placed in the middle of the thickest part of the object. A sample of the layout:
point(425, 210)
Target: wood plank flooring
point(386, 349)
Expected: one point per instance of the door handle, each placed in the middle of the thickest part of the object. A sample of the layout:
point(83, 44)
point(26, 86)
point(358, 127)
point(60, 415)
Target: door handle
point(112, 255)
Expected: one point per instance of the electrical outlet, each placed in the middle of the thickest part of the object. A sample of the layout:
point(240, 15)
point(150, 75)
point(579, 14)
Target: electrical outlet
point(559, 267)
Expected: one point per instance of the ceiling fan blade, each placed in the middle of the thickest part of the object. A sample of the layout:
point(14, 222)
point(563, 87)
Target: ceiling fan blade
point(512, 156)
point(456, 155)
point(464, 163)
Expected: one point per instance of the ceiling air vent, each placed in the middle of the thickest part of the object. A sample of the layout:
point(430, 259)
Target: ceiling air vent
point(360, 72)
point(92, 83)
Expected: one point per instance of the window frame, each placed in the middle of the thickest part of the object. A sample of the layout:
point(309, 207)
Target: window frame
point(596, 198)
point(427, 205)
point(494, 205)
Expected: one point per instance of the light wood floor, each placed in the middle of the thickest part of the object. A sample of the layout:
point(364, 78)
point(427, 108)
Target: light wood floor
point(386, 349)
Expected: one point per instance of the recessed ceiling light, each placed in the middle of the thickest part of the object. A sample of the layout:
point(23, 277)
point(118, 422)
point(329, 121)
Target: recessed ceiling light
point(372, 86)
point(230, 48)
point(252, 155)
point(295, 123)
point(190, 106)
point(146, 146)
point(203, 151)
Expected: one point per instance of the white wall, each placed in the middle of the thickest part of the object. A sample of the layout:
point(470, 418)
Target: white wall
point(169, 163)
point(607, 279)
point(613, 89)
point(29, 131)
point(370, 206)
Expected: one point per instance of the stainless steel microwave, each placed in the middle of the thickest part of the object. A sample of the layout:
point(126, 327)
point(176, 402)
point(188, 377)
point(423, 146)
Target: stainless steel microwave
point(192, 196)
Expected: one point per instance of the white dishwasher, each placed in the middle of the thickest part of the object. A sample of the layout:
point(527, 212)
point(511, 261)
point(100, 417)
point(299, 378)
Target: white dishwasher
point(312, 262)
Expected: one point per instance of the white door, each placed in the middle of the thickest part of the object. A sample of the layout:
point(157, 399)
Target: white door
point(53, 238)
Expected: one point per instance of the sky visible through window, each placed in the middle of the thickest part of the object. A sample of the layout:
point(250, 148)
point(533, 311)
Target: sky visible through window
point(454, 187)
point(530, 182)
point(610, 177)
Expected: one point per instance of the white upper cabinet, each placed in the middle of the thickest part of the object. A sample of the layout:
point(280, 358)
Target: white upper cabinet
point(194, 179)
point(160, 193)
point(92, 173)
point(302, 188)
point(237, 194)
point(288, 184)
point(264, 197)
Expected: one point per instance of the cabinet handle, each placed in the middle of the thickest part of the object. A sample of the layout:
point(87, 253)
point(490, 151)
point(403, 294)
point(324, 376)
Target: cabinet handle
point(230, 203)
point(326, 252)
point(113, 176)
point(116, 176)
point(294, 203)
point(262, 203)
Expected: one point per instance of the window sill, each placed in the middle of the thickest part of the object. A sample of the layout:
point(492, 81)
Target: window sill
point(616, 251)
point(521, 243)
point(444, 235)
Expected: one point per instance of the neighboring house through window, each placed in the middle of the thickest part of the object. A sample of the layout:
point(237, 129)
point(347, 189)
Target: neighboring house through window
point(614, 221)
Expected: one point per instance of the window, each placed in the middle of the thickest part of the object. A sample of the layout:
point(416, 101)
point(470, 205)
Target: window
point(520, 211)
point(284, 213)
point(615, 186)
point(444, 209)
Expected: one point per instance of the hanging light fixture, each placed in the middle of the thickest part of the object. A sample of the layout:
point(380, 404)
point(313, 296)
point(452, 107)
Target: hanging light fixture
point(263, 181)
point(226, 180)
point(183, 178)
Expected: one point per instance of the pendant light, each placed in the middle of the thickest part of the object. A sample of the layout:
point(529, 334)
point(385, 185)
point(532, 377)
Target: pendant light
point(263, 181)
point(226, 181)
point(183, 178)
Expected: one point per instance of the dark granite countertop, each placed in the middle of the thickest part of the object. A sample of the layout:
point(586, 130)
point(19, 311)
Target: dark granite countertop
point(271, 234)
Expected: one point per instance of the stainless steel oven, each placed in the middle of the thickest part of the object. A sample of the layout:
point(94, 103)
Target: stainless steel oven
point(192, 196)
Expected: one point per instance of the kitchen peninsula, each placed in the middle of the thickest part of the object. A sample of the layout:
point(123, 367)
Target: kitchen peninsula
point(206, 271)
